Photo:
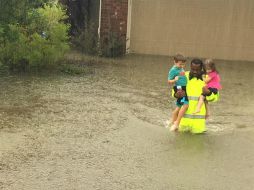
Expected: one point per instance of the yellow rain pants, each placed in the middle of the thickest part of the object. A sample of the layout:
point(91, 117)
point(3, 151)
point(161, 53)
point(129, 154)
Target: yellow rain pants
point(194, 123)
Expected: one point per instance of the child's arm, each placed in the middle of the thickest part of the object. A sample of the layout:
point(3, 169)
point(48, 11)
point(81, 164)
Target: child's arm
point(207, 79)
point(171, 82)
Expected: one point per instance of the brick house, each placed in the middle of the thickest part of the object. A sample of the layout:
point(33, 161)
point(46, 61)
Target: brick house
point(211, 28)
point(113, 20)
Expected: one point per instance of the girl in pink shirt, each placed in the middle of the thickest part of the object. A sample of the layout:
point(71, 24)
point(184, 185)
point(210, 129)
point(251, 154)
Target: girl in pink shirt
point(212, 84)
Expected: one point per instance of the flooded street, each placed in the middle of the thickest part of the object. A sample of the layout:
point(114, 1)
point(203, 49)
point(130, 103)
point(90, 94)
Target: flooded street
point(106, 130)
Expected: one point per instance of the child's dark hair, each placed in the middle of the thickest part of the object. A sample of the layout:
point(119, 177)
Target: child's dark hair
point(210, 63)
point(179, 57)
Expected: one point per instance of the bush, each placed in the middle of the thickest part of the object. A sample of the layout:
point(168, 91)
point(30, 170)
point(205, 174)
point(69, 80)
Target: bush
point(41, 40)
point(112, 45)
point(87, 40)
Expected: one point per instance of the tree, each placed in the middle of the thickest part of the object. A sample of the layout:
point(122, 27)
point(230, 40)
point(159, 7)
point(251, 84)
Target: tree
point(32, 33)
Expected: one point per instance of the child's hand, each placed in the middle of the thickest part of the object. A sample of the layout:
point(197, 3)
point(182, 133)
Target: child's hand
point(176, 78)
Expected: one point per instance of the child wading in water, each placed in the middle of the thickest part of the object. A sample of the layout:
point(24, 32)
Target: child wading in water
point(213, 85)
point(176, 77)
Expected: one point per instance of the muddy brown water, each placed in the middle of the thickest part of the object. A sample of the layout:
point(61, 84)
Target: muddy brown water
point(106, 130)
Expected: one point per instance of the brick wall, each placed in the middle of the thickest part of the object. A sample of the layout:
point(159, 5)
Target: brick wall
point(114, 18)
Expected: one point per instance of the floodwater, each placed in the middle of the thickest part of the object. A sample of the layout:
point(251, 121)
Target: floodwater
point(106, 130)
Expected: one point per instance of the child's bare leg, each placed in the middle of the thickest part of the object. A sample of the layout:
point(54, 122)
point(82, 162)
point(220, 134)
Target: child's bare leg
point(207, 109)
point(180, 115)
point(173, 127)
point(175, 114)
point(200, 103)
point(174, 118)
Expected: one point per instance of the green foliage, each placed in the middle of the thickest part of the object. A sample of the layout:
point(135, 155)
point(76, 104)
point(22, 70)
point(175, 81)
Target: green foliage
point(15, 11)
point(14, 49)
point(73, 69)
point(87, 40)
point(48, 34)
point(112, 45)
point(40, 39)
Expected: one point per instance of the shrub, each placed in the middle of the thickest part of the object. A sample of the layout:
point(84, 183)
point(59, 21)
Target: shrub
point(87, 40)
point(41, 40)
point(112, 45)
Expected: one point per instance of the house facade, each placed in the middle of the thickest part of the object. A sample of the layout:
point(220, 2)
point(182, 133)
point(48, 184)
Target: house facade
point(212, 28)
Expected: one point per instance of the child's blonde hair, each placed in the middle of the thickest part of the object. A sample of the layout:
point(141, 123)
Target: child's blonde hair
point(210, 64)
